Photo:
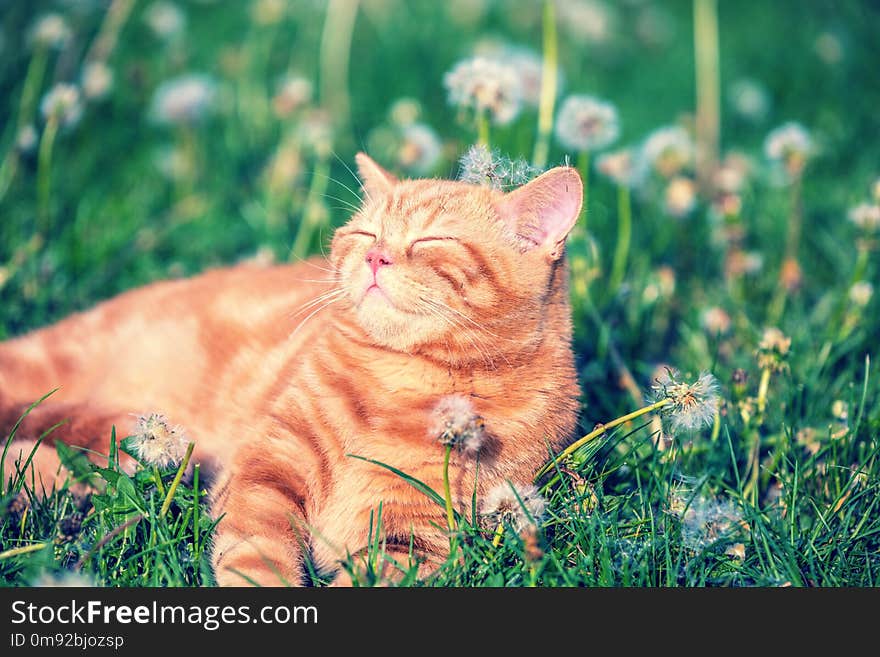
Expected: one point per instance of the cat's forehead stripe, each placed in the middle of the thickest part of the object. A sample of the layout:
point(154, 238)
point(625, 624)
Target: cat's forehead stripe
point(404, 209)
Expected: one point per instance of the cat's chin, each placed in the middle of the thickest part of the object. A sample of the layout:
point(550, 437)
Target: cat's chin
point(389, 327)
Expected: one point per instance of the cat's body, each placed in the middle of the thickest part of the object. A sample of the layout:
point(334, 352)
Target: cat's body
point(433, 289)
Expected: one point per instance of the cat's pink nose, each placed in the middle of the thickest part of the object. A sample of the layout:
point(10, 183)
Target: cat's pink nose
point(376, 258)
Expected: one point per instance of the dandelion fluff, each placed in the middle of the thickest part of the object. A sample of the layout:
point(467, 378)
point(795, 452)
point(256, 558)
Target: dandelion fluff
point(586, 123)
point(157, 442)
point(515, 505)
point(485, 85)
point(692, 405)
point(184, 99)
point(453, 421)
point(63, 102)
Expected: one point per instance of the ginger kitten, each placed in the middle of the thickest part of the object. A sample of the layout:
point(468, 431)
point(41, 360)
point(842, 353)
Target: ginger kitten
point(433, 288)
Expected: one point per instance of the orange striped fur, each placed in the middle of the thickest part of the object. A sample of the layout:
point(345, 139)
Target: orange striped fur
point(281, 373)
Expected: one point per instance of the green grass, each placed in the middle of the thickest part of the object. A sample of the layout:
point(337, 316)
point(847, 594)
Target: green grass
point(98, 216)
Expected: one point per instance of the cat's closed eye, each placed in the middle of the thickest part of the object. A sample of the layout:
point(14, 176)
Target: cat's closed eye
point(431, 241)
point(362, 233)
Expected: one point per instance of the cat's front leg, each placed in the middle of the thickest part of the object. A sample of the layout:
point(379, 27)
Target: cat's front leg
point(256, 541)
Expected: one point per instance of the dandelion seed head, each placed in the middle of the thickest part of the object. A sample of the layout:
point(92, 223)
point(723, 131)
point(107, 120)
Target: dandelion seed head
point(749, 99)
point(775, 340)
point(860, 293)
point(708, 521)
point(739, 263)
point(419, 149)
point(668, 150)
point(50, 31)
point(680, 197)
point(586, 123)
point(184, 99)
point(773, 350)
point(453, 421)
point(157, 442)
point(828, 48)
point(731, 176)
point(866, 216)
point(315, 132)
point(293, 92)
point(715, 321)
point(692, 405)
point(62, 102)
point(165, 19)
point(587, 20)
point(405, 111)
point(481, 166)
point(485, 85)
point(622, 167)
point(789, 145)
point(96, 79)
point(173, 162)
point(501, 506)
point(531, 70)
point(790, 275)
point(27, 138)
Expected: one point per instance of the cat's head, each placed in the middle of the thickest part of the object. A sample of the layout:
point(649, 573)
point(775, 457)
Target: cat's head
point(452, 267)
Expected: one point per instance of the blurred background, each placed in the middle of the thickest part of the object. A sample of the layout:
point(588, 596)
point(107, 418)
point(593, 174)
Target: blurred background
point(144, 140)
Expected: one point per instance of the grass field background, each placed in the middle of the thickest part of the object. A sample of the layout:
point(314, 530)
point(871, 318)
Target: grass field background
point(191, 135)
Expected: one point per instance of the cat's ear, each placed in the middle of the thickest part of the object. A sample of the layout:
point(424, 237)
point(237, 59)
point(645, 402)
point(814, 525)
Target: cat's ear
point(374, 179)
point(543, 212)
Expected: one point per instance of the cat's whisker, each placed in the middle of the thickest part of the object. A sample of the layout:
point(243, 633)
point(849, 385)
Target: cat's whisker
point(476, 324)
point(319, 280)
point(332, 294)
point(465, 332)
point(355, 176)
point(436, 313)
point(323, 306)
point(311, 263)
point(347, 205)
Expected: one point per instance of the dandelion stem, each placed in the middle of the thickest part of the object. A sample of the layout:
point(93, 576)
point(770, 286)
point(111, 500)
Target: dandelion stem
point(32, 83)
point(763, 388)
point(716, 427)
point(157, 477)
point(599, 431)
point(499, 534)
point(196, 510)
point(310, 218)
point(7, 171)
point(583, 165)
point(14, 552)
point(706, 55)
point(173, 488)
point(23, 522)
point(44, 174)
point(624, 235)
point(108, 34)
point(547, 99)
point(795, 217)
point(335, 54)
point(482, 128)
point(447, 493)
point(792, 244)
